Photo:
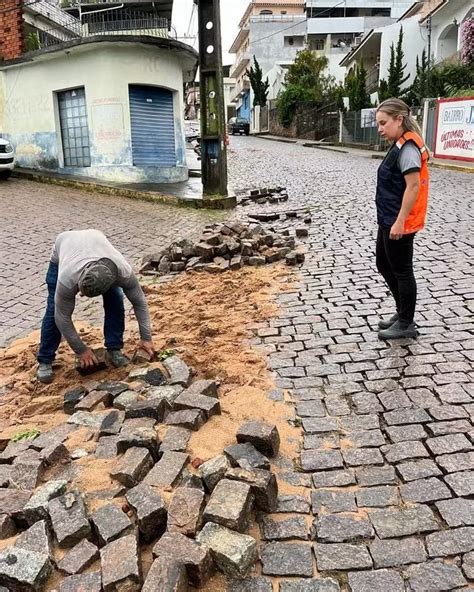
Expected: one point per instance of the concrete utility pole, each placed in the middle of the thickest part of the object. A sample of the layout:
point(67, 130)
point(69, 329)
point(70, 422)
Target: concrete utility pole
point(213, 148)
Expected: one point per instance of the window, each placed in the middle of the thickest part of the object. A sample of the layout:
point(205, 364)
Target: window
point(283, 12)
point(263, 12)
point(291, 41)
point(74, 128)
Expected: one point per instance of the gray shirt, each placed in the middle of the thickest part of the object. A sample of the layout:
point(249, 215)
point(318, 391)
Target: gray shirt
point(409, 159)
point(72, 251)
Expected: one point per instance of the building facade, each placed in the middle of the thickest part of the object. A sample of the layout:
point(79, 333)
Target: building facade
point(107, 105)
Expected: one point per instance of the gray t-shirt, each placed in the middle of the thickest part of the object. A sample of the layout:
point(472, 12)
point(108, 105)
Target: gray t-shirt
point(409, 159)
point(72, 251)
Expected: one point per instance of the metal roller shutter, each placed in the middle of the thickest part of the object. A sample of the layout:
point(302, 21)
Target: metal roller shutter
point(152, 120)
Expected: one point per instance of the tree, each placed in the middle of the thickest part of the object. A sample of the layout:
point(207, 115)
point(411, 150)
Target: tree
point(356, 86)
point(259, 86)
point(396, 72)
point(305, 85)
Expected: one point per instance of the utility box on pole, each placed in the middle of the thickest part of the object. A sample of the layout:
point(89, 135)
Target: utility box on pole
point(213, 148)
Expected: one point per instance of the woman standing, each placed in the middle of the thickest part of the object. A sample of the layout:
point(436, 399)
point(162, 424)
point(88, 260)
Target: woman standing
point(401, 199)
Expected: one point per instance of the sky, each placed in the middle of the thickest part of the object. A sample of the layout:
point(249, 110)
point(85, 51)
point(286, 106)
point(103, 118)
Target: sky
point(231, 13)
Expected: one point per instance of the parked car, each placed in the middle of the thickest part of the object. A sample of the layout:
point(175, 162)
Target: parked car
point(7, 159)
point(238, 125)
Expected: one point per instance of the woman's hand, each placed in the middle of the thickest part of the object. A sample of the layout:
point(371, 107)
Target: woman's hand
point(148, 346)
point(396, 232)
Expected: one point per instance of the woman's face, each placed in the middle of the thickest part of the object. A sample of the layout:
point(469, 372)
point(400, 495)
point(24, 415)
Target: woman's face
point(389, 127)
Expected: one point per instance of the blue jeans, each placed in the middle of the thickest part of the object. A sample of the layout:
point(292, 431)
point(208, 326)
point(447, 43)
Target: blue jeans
point(114, 320)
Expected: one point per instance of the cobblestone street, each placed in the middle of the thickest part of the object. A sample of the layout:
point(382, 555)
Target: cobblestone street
point(387, 455)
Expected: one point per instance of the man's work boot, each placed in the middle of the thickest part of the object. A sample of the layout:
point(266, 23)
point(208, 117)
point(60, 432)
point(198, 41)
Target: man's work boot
point(386, 323)
point(44, 373)
point(399, 330)
point(116, 358)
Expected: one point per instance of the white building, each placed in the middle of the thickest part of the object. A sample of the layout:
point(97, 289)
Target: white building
point(433, 24)
point(335, 28)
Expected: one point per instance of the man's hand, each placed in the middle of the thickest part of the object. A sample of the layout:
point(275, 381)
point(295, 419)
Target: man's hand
point(147, 346)
point(88, 359)
point(396, 232)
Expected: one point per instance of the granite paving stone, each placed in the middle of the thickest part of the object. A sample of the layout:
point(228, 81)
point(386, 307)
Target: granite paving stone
point(369, 476)
point(434, 576)
point(396, 552)
point(229, 505)
point(450, 542)
point(283, 529)
point(457, 511)
point(315, 460)
point(448, 444)
point(333, 501)
point(398, 522)
point(380, 580)
point(407, 432)
point(424, 490)
point(362, 456)
point(418, 469)
point(461, 483)
point(468, 565)
point(167, 575)
point(313, 585)
point(459, 461)
point(338, 528)
point(336, 478)
point(404, 451)
point(342, 556)
point(287, 559)
point(378, 497)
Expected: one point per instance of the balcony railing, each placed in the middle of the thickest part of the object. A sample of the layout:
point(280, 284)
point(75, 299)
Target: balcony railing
point(241, 62)
point(240, 89)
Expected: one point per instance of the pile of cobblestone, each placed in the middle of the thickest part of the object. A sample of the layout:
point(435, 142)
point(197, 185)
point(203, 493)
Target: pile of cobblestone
point(228, 246)
point(202, 527)
point(272, 195)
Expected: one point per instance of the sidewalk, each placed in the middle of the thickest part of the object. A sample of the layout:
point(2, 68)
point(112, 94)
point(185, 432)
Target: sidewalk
point(187, 193)
point(453, 165)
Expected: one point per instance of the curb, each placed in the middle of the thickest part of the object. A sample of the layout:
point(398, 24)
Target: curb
point(211, 203)
point(452, 167)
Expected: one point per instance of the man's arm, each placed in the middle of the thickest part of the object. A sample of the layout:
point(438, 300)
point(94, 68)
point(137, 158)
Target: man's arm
point(64, 303)
point(136, 296)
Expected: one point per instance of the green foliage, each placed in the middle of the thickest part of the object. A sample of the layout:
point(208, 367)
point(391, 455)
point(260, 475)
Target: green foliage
point(164, 354)
point(445, 80)
point(356, 87)
point(259, 86)
point(396, 72)
point(26, 435)
point(32, 42)
point(305, 85)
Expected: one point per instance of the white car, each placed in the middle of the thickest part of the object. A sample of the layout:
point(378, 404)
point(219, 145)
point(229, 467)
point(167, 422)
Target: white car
point(7, 159)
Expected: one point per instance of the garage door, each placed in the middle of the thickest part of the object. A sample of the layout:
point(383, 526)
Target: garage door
point(152, 120)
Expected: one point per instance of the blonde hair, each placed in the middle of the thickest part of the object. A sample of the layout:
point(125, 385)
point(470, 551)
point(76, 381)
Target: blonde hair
point(395, 107)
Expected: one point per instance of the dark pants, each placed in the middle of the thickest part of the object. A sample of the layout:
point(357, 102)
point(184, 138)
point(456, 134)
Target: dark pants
point(114, 320)
point(395, 263)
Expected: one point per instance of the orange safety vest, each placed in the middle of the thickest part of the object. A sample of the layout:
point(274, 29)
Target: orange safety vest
point(417, 216)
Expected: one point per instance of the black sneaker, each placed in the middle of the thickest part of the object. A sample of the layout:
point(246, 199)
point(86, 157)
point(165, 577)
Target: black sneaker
point(116, 358)
point(399, 330)
point(386, 323)
point(44, 373)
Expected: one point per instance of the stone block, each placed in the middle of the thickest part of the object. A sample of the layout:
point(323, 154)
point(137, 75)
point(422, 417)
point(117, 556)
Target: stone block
point(94, 400)
point(208, 405)
point(90, 582)
point(342, 556)
point(155, 377)
point(149, 509)
point(36, 507)
point(338, 528)
point(196, 557)
point(381, 580)
point(263, 485)
point(176, 439)
point(106, 447)
point(23, 570)
point(393, 553)
point(399, 522)
point(167, 471)
point(287, 559)
point(263, 436)
point(179, 372)
point(5, 472)
point(314, 585)
point(132, 467)
point(166, 575)
point(7, 527)
point(37, 538)
point(457, 512)
point(320, 425)
point(468, 565)
point(368, 476)
point(286, 529)
point(79, 558)
point(424, 490)
point(69, 520)
point(418, 469)
point(448, 444)
point(145, 437)
point(406, 432)
point(434, 576)
point(13, 502)
point(362, 456)
point(333, 501)
point(338, 478)
point(87, 419)
point(125, 399)
point(110, 523)
point(192, 419)
point(208, 388)
point(450, 542)
point(461, 483)
point(460, 461)
point(230, 505)
point(404, 451)
point(72, 398)
point(26, 474)
point(185, 510)
point(378, 497)
point(121, 567)
point(154, 408)
point(246, 456)
point(112, 423)
point(234, 554)
point(213, 470)
point(250, 584)
point(292, 504)
point(113, 388)
point(314, 460)
point(406, 416)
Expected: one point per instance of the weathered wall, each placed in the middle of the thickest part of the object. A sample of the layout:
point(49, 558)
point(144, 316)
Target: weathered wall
point(30, 114)
point(11, 29)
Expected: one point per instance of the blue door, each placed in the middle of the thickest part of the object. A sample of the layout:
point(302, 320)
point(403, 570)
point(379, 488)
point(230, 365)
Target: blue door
point(152, 120)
